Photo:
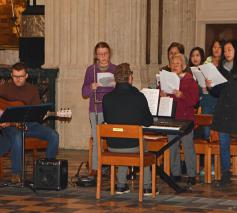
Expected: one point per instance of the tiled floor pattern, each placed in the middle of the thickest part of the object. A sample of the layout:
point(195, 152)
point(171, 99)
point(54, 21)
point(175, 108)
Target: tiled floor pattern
point(202, 198)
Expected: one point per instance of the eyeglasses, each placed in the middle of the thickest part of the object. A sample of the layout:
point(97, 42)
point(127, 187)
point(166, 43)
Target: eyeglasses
point(102, 54)
point(19, 76)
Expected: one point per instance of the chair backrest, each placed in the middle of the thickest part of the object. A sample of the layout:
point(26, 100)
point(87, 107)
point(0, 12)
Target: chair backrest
point(206, 120)
point(119, 131)
point(203, 119)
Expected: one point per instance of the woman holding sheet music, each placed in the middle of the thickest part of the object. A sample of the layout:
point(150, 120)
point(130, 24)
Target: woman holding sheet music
point(225, 115)
point(173, 49)
point(186, 98)
point(206, 101)
point(94, 91)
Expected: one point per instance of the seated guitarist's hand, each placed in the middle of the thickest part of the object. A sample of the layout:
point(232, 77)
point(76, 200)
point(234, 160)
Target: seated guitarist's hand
point(4, 125)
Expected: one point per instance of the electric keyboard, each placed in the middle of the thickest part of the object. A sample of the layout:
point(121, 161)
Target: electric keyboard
point(170, 126)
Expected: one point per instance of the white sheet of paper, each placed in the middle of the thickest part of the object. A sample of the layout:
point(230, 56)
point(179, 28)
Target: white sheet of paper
point(212, 73)
point(105, 79)
point(198, 75)
point(152, 96)
point(165, 106)
point(169, 81)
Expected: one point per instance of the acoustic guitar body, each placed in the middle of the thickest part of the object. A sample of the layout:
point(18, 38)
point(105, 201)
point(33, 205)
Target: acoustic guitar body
point(5, 103)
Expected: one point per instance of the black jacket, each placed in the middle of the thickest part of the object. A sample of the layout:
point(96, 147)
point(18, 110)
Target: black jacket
point(126, 105)
point(225, 115)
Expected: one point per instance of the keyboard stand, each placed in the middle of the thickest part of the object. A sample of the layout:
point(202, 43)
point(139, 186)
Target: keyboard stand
point(179, 135)
point(161, 172)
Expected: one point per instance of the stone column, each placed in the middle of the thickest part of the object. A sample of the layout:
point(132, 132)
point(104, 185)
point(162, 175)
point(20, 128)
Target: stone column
point(178, 25)
point(72, 28)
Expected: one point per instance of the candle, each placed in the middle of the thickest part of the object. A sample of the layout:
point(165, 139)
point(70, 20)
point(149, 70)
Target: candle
point(13, 15)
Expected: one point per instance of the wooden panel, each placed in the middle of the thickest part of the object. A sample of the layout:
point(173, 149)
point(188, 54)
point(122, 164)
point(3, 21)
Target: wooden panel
point(9, 27)
point(219, 32)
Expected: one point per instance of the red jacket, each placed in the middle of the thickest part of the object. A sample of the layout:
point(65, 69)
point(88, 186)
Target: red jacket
point(185, 104)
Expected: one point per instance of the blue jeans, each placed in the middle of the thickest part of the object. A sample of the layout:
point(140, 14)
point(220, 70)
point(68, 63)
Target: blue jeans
point(225, 151)
point(5, 145)
point(208, 104)
point(34, 130)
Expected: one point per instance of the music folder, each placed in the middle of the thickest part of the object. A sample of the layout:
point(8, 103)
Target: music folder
point(30, 113)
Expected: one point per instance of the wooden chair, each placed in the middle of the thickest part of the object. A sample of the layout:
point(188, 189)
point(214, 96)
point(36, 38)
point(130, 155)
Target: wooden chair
point(202, 146)
point(233, 152)
point(33, 144)
point(140, 159)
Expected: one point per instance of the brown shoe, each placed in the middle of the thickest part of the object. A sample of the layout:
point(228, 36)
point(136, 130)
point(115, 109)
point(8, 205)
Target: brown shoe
point(15, 179)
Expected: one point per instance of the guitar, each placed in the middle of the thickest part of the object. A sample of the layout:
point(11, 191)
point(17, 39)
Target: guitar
point(63, 114)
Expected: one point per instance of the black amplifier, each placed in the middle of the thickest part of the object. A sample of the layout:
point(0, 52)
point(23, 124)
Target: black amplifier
point(50, 174)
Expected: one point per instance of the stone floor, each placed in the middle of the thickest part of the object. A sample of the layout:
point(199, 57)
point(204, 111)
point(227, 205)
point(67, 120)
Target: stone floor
point(201, 198)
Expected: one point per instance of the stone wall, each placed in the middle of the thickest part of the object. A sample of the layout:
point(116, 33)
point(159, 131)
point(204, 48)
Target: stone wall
point(72, 28)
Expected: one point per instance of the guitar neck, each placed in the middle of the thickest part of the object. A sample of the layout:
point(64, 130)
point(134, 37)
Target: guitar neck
point(51, 114)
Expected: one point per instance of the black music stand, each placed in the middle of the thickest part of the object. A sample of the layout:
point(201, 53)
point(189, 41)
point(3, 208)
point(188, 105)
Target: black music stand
point(22, 115)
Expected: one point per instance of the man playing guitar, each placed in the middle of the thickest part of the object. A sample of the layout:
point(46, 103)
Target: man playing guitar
point(21, 91)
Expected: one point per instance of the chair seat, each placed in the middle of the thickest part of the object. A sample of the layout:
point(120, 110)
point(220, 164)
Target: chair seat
point(35, 143)
point(128, 159)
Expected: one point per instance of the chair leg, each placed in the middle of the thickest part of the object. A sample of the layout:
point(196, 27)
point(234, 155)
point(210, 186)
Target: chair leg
point(207, 164)
point(167, 162)
point(153, 180)
point(234, 165)
point(141, 181)
point(112, 180)
point(218, 160)
point(1, 167)
point(198, 163)
point(98, 188)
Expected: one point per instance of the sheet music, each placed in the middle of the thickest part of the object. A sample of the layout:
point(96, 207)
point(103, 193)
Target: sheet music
point(212, 73)
point(152, 96)
point(165, 106)
point(169, 81)
point(105, 79)
point(198, 75)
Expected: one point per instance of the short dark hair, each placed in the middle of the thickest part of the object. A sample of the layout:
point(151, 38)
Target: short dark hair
point(179, 46)
point(122, 73)
point(19, 66)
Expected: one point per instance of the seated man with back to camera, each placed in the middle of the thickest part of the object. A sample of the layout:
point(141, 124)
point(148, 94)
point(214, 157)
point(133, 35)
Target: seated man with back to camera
point(20, 90)
point(126, 105)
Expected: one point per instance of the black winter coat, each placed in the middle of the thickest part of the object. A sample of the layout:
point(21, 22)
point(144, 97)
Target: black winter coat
point(126, 105)
point(225, 115)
